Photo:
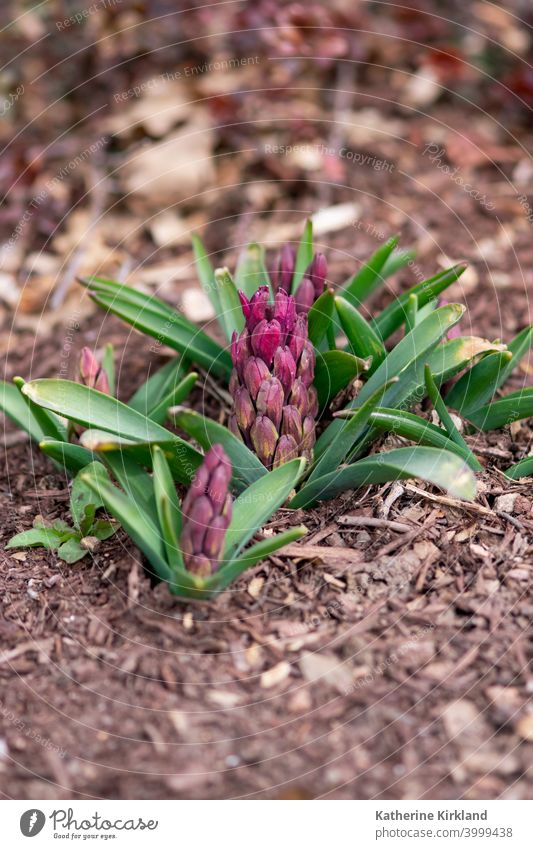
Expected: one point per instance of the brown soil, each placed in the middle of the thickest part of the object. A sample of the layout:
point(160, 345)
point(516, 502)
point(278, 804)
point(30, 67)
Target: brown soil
point(363, 662)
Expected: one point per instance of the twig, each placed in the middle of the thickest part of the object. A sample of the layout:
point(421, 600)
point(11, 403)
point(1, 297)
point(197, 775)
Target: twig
point(371, 522)
point(450, 502)
point(511, 519)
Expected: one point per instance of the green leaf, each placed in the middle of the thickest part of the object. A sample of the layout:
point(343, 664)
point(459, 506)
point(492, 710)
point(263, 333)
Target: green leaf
point(157, 386)
point(102, 529)
point(478, 385)
point(71, 551)
point(133, 519)
point(411, 311)
point(363, 340)
point(397, 260)
point(257, 552)
point(358, 287)
point(320, 317)
point(66, 454)
point(503, 411)
point(168, 327)
point(258, 502)
point(405, 360)
point(333, 371)
point(348, 435)
point(447, 421)
point(13, 404)
point(176, 395)
point(168, 508)
point(44, 537)
point(431, 464)
point(134, 480)
point(108, 364)
point(230, 317)
point(83, 503)
point(247, 468)
point(251, 272)
point(419, 430)
point(304, 255)
point(50, 424)
point(206, 272)
point(522, 469)
point(394, 315)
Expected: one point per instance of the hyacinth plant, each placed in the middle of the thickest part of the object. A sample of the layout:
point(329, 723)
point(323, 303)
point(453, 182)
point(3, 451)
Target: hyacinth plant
point(293, 345)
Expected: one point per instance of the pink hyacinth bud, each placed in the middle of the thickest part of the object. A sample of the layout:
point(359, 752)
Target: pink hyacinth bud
point(285, 270)
point(305, 296)
point(266, 338)
point(91, 372)
point(318, 272)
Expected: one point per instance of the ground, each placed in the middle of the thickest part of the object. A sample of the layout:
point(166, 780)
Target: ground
point(379, 659)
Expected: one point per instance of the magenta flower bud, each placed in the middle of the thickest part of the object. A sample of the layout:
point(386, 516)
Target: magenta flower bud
point(244, 409)
point(305, 296)
point(284, 368)
point(91, 372)
point(206, 513)
point(270, 399)
point(299, 397)
point(309, 437)
point(317, 272)
point(312, 397)
point(240, 350)
point(298, 336)
point(255, 371)
point(245, 304)
point(258, 307)
point(285, 270)
point(286, 450)
point(306, 366)
point(264, 437)
point(285, 311)
point(292, 423)
point(266, 338)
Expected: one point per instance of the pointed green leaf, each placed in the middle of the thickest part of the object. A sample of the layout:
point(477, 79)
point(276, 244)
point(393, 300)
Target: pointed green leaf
point(230, 317)
point(358, 287)
point(67, 454)
point(503, 411)
point(363, 340)
point(159, 384)
point(447, 421)
point(83, 503)
point(50, 425)
point(304, 255)
point(394, 315)
point(134, 480)
point(522, 469)
point(333, 371)
point(320, 316)
point(168, 507)
point(431, 464)
point(175, 396)
point(258, 502)
point(206, 272)
point(257, 552)
point(247, 468)
point(45, 537)
point(411, 311)
point(108, 364)
point(397, 260)
point(251, 272)
point(13, 404)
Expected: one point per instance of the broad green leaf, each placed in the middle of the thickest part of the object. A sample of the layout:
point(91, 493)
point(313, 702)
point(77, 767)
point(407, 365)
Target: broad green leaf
point(44, 537)
point(304, 255)
point(168, 507)
point(182, 457)
point(363, 340)
point(103, 529)
point(247, 468)
point(333, 371)
point(320, 316)
point(419, 430)
point(134, 480)
point(257, 552)
point(479, 384)
point(251, 272)
point(13, 404)
point(397, 260)
point(358, 287)
point(503, 411)
point(171, 330)
point(50, 425)
point(348, 435)
point(71, 551)
point(522, 469)
point(447, 421)
point(394, 315)
point(206, 272)
point(108, 364)
point(67, 454)
point(83, 503)
point(258, 502)
point(406, 361)
point(134, 520)
point(230, 317)
point(159, 384)
point(431, 464)
point(176, 395)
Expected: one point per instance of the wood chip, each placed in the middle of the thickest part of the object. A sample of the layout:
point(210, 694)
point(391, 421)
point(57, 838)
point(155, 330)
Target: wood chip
point(275, 675)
